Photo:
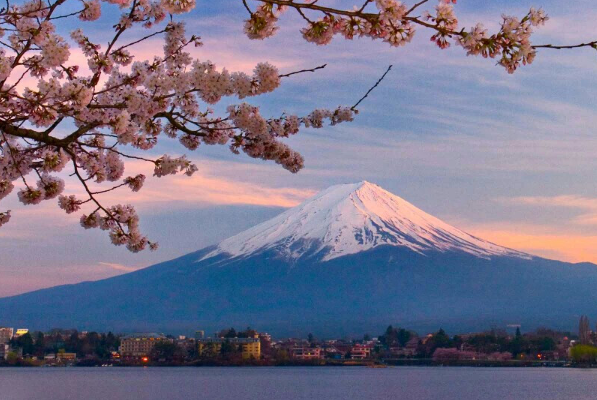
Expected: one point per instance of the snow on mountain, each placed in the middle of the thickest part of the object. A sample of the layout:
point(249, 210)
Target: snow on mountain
point(351, 218)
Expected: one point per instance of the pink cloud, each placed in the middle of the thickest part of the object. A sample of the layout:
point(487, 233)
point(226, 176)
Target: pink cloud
point(587, 204)
point(207, 187)
point(540, 240)
point(119, 267)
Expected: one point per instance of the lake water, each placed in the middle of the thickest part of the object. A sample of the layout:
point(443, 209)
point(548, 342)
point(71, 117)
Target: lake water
point(329, 383)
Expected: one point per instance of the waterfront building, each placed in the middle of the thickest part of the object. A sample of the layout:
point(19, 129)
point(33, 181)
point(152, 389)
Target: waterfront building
point(360, 352)
point(139, 345)
point(4, 350)
point(20, 332)
point(250, 347)
point(66, 357)
point(5, 335)
point(306, 353)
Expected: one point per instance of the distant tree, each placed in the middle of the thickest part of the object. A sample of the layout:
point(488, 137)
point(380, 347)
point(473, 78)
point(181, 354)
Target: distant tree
point(584, 354)
point(40, 345)
point(247, 333)
point(12, 358)
point(584, 332)
point(25, 342)
point(167, 351)
point(395, 337)
point(403, 336)
point(544, 343)
point(441, 339)
point(457, 341)
point(281, 356)
point(518, 345)
point(438, 340)
point(366, 337)
point(230, 333)
point(488, 343)
point(310, 338)
point(209, 352)
point(228, 348)
point(72, 344)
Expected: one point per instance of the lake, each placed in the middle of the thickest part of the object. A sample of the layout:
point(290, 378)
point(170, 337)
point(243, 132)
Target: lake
point(297, 383)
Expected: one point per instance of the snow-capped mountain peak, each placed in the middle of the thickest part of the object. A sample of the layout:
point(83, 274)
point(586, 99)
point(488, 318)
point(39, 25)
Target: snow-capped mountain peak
point(350, 218)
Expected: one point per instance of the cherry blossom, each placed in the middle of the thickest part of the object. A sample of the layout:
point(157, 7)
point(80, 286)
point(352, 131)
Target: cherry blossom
point(56, 119)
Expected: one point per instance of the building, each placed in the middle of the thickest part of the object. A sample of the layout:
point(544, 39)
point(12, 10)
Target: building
point(66, 357)
point(4, 350)
point(20, 332)
point(250, 347)
point(5, 335)
point(199, 335)
point(306, 353)
point(139, 345)
point(360, 352)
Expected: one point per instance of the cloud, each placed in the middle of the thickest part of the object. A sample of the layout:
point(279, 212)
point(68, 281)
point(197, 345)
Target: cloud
point(539, 240)
point(587, 204)
point(217, 183)
point(119, 267)
point(572, 201)
point(211, 186)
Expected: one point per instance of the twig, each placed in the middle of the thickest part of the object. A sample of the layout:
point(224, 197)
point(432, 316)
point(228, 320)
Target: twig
point(417, 5)
point(247, 7)
point(302, 70)
point(353, 108)
point(561, 47)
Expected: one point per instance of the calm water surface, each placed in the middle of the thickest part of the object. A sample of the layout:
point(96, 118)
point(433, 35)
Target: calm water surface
point(402, 383)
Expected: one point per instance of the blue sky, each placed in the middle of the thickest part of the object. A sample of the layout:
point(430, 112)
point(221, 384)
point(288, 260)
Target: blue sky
point(511, 158)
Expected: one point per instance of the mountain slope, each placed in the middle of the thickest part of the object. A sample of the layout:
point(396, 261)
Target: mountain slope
point(353, 259)
point(347, 219)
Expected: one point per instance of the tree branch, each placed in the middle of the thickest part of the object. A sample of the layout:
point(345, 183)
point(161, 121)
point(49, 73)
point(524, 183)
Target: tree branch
point(371, 89)
point(302, 70)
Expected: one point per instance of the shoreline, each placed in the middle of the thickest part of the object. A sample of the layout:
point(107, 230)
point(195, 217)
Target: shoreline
point(333, 364)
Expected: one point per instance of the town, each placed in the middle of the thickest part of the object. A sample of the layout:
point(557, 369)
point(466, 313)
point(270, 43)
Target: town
point(229, 347)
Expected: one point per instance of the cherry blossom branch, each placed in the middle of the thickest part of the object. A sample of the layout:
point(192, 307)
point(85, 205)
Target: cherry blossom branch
point(140, 102)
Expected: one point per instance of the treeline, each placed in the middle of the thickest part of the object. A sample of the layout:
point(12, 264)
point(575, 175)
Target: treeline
point(91, 344)
point(495, 341)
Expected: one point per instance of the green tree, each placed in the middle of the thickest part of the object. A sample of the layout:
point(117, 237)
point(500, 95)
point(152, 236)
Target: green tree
point(166, 351)
point(584, 354)
point(12, 358)
point(230, 333)
point(25, 342)
point(518, 345)
point(228, 348)
point(403, 336)
point(40, 345)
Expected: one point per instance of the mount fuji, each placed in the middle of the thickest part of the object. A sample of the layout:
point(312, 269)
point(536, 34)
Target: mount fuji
point(352, 259)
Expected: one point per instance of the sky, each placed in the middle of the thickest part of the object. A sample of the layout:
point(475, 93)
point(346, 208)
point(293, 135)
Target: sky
point(509, 158)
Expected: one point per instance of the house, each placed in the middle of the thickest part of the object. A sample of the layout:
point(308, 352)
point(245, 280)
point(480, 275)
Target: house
point(306, 353)
point(66, 357)
point(360, 351)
